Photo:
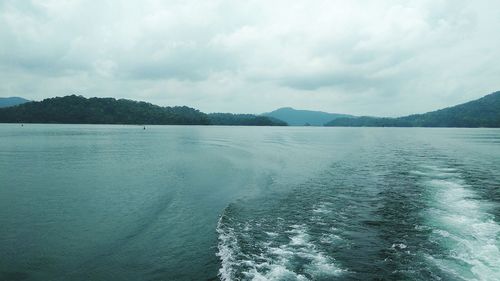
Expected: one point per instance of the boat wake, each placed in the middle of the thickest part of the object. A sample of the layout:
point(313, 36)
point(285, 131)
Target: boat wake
point(420, 223)
point(266, 250)
point(461, 225)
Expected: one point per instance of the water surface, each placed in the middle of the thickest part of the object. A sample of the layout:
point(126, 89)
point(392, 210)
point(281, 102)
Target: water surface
point(89, 202)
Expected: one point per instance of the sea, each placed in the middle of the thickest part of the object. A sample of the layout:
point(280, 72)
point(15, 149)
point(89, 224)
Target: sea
point(120, 202)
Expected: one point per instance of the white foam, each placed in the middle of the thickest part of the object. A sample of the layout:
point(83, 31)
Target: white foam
point(463, 225)
point(322, 208)
point(271, 234)
point(330, 238)
point(275, 273)
point(227, 246)
point(277, 261)
point(299, 237)
point(437, 168)
point(399, 246)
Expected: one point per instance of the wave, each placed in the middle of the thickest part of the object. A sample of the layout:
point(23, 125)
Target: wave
point(462, 226)
point(418, 223)
point(261, 250)
point(227, 249)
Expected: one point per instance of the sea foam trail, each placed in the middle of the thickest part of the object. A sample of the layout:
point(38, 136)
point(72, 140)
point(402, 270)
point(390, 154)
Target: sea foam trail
point(227, 249)
point(291, 254)
point(278, 257)
point(463, 226)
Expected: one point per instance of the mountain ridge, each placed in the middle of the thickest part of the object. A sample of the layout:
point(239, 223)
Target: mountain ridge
point(12, 101)
point(482, 112)
point(75, 109)
point(301, 117)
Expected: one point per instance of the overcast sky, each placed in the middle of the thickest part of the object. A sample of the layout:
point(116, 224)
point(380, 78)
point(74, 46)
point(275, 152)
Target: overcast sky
point(384, 58)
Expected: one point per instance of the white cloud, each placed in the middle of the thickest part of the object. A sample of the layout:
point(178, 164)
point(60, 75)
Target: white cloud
point(361, 57)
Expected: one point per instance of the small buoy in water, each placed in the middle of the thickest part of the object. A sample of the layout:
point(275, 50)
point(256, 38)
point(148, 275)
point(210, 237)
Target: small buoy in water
point(144, 128)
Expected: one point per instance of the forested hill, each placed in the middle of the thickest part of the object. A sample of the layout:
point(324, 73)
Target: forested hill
point(483, 112)
point(244, 120)
point(296, 117)
point(80, 110)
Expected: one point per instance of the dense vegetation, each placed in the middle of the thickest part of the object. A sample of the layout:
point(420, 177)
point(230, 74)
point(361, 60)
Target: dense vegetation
point(483, 112)
point(79, 110)
point(243, 120)
point(295, 117)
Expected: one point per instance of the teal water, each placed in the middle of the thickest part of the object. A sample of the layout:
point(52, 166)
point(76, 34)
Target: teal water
point(91, 202)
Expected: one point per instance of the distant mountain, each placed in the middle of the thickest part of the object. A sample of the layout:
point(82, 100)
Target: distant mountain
point(243, 120)
point(483, 112)
point(12, 101)
point(296, 117)
point(80, 110)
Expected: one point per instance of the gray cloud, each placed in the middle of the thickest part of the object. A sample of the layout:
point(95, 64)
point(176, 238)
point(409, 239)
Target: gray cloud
point(378, 57)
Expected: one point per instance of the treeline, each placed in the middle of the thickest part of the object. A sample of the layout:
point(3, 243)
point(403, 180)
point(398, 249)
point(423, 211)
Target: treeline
point(80, 110)
point(243, 120)
point(483, 112)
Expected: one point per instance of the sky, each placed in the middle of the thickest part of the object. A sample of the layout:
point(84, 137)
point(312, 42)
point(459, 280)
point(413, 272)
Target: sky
point(381, 58)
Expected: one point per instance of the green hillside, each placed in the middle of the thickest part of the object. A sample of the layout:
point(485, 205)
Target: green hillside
point(483, 112)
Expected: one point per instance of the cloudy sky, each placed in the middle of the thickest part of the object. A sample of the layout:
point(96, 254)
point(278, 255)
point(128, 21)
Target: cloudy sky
point(383, 57)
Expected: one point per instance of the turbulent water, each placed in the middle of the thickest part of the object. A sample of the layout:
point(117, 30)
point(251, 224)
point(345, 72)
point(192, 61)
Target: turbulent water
point(83, 202)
